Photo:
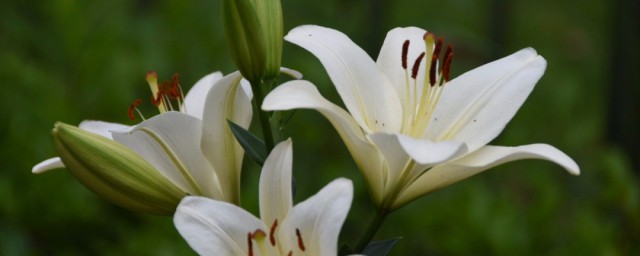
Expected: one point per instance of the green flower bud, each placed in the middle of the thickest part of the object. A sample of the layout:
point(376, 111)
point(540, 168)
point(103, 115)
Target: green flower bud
point(115, 172)
point(254, 33)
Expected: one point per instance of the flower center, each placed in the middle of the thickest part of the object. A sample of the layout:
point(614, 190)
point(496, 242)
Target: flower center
point(424, 84)
point(166, 96)
point(259, 238)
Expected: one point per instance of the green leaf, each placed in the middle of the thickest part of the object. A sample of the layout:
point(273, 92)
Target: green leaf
point(253, 146)
point(381, 248)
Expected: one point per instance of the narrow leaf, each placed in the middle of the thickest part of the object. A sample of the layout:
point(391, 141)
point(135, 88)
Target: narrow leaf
point(381, 248)
point(253, 146)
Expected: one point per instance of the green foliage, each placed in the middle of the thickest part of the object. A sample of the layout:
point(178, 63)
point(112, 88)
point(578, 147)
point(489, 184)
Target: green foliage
point(253, 146)
point(69, 60)
point(381, 248)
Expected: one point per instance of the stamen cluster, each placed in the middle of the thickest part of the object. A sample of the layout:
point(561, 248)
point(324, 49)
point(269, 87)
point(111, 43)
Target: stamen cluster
point(166, 96)
point(259, 236)
point(420, 102)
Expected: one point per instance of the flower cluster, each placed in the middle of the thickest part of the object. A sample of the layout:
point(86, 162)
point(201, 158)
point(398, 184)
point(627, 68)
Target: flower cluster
point(410, 128)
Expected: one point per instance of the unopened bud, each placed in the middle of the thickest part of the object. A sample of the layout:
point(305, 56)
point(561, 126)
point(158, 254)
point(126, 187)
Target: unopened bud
point(254, 33)
point(115, 172)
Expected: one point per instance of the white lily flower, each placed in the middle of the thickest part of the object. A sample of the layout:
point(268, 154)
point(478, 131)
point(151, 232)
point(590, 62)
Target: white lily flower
point(308, 228)
point(195, 150)
point(411, 130)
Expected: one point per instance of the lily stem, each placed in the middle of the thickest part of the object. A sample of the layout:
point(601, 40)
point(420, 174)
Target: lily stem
point(375, 223)
point(265, 123)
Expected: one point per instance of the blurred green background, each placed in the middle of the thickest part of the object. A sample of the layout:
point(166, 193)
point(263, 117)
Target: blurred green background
point(69, 60)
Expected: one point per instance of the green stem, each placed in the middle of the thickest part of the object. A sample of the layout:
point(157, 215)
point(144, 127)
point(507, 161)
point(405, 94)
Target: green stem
point(265, 123)
point(375, 223)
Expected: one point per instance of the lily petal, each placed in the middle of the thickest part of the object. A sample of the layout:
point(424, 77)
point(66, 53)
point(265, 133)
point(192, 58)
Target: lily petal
point(49, 164)
point(195, 98)
point(171, 143)
point(476, 106)
point(319, 219)
point(103, 128)
point(428, 152)
point(302, 94)
point(291, 72)
point(275, 184)
point(365, 91)
point(479, 161)
point(225, 101)
point(390, 57)
point(398, 150)
point(215, 227)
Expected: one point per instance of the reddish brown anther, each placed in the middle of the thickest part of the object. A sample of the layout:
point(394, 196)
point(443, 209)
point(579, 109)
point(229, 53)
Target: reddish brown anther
point(405, 51)
point(300, 242)
point(438, 47)
point(434, 61)
point(272, 237)
point(133, 107)
point(250, 243)
point(447, 52)
point(446, 69)
point(432, 70)
point(159, 97)
point(448, 57)
point(174, 87)
point(416, 66)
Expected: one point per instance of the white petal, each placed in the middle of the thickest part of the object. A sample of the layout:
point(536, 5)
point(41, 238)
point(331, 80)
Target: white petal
point(275, 184)
point(225, 102)
point(366, 92)
point(398, 149)
point(214, 227)
point(171, 143)
point(302, 94)
point(103, 128)
point(390, 57)
point(319, 219)
point(195, 98)
point(291, 72)
point(481, 160)
point(430, 152)
point(476, 106)
point(49, 164)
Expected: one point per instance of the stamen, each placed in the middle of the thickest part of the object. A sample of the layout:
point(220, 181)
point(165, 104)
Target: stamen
point(300, 243)
point(434, 61)
point(432, 70)
point(134, 107)
point(174, 87)
point(405, 50)
point(272, 232)
point(447, 52)
point(250, 243)
point(436, 51)
point(416, 66)
point(158, 98)
point(446, 69)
